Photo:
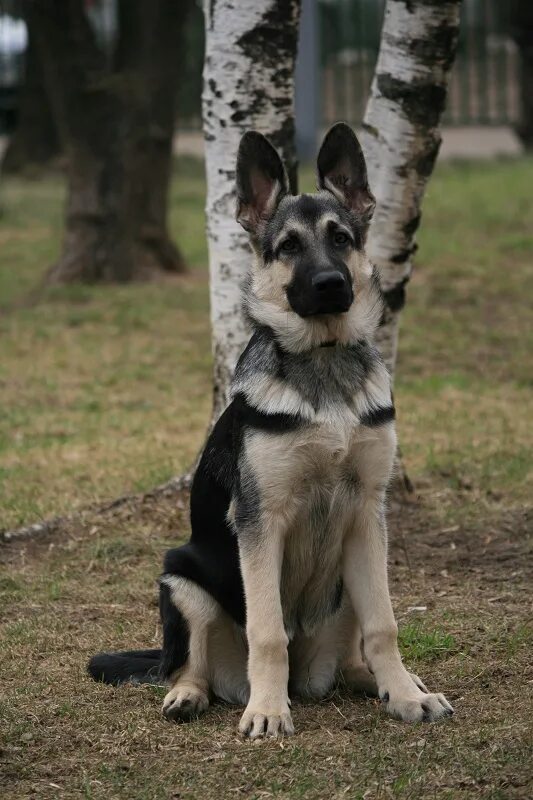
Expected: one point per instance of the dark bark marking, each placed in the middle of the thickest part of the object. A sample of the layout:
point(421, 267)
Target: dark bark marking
point(423, 163)
point(395, 297)
point(439, 47)
point(404, 255)
point(422, 103)
point(272, 40)
point(370, 129)
point(411, 227)
point(413, 5)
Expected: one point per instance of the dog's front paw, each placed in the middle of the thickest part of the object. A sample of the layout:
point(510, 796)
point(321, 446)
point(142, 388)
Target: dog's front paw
point(416, 705)
point(256, 723)
point(184, 702)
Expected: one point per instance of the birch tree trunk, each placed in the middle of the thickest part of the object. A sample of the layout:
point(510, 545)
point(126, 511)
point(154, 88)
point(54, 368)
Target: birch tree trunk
point(248, 83)
point(401, 138)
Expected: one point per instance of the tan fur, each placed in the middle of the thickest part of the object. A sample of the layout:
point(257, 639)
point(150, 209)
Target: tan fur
point(365, 577)
point(268, 662)
point(269, 304)
point(299, 559)
point(217, 653)
point(345, 470)
point(320, 518)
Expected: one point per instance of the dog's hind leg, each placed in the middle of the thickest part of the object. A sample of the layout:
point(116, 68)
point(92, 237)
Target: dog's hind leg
point(204, 650)
point(187, 612)
point(354, 669)
point(228, 654)
point(314, 660)
point(335, 651)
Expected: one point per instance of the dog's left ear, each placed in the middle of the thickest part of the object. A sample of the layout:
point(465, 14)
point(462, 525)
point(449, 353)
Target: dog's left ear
point(342, 171)
point(261, 181)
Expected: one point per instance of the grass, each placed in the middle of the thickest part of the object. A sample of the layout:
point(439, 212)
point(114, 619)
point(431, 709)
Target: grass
point(106, 390)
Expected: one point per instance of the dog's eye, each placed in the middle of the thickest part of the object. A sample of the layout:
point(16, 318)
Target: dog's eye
point(289, 245)
point(340, 239)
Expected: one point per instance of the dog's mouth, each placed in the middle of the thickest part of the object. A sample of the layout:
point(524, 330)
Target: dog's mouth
point(330, 343)
point(340, 306)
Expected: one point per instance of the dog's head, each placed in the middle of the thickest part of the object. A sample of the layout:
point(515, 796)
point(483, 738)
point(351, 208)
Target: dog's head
point(310, 248)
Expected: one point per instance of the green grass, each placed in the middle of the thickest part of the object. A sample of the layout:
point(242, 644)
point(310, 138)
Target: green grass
point(106, 390)
point(420, 645)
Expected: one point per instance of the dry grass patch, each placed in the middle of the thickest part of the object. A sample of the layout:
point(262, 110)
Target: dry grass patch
point(92, 586)
point(107, 390)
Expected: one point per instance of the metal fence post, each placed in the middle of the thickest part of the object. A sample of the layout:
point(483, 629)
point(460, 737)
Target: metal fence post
point(307, 84)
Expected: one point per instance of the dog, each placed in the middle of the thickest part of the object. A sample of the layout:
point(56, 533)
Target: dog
point(282, 589)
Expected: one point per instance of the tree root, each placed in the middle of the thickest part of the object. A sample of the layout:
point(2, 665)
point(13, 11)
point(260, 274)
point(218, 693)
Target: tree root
point(54, 524)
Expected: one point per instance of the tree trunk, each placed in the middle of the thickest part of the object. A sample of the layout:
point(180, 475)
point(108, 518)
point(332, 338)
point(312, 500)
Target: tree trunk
point(248, 83)
point(148, 57)
point(35, 140)
point(118, 128)
point(401, 139)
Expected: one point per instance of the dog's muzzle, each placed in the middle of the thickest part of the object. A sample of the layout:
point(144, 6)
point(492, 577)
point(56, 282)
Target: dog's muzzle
point(320, 291)
point(331, 293)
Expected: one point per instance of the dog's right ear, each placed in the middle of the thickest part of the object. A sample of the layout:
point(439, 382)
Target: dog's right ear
point(261, 181)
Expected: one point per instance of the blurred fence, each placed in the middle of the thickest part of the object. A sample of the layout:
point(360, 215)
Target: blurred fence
point(484, 89)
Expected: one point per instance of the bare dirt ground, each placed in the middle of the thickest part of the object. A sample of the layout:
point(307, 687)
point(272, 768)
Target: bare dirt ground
point(461, 595)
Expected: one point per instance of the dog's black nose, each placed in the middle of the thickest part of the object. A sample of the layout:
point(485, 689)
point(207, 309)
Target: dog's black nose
point(320, 291)
point(328, 281)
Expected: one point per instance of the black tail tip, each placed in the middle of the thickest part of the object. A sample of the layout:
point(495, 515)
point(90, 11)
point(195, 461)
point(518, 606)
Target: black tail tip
point(100, 668)
point(135, 666)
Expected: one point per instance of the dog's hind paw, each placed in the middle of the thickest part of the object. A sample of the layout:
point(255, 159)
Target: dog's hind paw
point(184, 703)
point(255, 725)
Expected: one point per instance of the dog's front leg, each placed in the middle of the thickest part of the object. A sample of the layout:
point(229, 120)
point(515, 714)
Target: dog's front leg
point(267, 712)
point(365, 577)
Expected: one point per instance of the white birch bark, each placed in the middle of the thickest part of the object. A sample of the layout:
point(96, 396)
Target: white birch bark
point(248, 83)
point(401, 138)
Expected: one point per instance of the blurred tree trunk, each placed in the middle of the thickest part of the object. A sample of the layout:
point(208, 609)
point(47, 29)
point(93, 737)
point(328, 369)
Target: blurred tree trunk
point(401, 139)
point(521, 30)
point(118, 120)
point(36, 139)
point(248, 83)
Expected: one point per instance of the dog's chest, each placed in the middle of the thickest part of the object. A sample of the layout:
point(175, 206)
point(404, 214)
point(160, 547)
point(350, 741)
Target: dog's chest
point(323, 497)
point(306, 482)
point(311, 570)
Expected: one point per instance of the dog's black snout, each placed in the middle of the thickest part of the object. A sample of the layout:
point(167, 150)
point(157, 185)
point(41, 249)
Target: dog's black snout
point(320, 290)
point(328, 281)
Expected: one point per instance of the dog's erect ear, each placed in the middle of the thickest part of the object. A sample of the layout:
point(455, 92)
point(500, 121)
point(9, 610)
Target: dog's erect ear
point(261, 181)
point(342, 171)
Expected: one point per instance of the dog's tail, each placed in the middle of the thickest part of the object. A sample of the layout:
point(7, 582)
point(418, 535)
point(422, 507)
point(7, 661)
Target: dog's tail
point(128, 666)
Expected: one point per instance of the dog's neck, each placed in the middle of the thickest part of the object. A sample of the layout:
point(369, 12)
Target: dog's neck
point(274, 380)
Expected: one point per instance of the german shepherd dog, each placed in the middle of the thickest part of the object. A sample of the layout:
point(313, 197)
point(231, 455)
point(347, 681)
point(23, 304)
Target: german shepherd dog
point(282, 588)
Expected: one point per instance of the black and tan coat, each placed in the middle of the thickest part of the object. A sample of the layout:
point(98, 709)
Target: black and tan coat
point(282, 587)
